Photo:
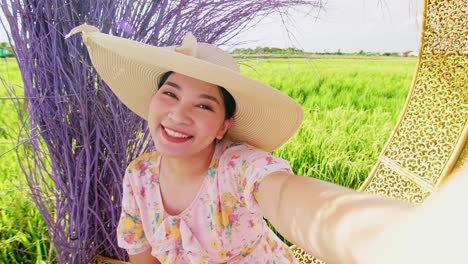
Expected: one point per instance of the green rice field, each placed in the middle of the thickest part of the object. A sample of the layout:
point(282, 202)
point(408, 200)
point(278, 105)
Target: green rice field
point(351, 107)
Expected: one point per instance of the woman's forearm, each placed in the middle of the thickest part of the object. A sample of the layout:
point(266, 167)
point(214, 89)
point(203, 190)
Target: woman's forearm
point(143, 258)
point(331, 222)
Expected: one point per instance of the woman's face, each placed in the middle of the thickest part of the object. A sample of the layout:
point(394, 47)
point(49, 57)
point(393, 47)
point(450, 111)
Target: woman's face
point(186, 115)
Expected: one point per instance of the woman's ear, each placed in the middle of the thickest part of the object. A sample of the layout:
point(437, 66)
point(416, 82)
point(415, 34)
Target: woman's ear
point(227, 123)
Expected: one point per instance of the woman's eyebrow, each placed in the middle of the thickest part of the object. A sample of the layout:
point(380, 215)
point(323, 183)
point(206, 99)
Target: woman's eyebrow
point(204, 96)
point(175, 85)
point(209, 97)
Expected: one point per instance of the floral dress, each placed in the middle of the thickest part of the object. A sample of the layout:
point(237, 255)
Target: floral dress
point(223, 223)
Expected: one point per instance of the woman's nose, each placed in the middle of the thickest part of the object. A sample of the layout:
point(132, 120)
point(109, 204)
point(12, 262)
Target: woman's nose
point(180, 114)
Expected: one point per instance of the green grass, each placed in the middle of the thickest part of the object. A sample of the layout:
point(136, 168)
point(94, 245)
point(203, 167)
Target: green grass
point(351, 107)
point(23, 233)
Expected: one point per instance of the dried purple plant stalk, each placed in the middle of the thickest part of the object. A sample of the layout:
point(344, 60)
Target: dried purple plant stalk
point(81, 137)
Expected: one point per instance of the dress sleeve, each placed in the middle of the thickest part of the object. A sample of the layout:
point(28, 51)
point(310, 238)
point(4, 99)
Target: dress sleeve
point(255, 165)
point(130, 234)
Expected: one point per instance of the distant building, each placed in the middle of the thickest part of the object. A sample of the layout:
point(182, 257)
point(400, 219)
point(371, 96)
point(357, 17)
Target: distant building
point(409, 53)
point(4, 53)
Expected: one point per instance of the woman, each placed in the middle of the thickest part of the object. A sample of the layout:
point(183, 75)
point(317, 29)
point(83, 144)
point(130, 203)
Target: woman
point(202, 195)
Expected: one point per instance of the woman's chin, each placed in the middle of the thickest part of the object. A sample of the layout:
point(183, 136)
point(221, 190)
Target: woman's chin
point(181, 150)
point(170, 151)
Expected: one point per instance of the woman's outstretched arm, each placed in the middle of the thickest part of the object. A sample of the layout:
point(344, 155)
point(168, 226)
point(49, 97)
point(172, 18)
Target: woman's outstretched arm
point(340, 225)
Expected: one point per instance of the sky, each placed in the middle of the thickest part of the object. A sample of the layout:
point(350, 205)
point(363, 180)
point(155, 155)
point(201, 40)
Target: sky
point(345, 25)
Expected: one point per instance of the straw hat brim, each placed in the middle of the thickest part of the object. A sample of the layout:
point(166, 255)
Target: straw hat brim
point(265, 117)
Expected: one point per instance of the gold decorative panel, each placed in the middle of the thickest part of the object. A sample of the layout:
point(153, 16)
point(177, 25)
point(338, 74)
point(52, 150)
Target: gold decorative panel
point(390, 183)
point(302, 256)
point(432, 130)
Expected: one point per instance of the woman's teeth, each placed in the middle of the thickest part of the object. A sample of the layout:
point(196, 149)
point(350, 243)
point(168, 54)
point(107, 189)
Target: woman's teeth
point(175, 134)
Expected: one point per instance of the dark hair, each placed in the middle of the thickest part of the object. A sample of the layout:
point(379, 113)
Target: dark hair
point(164, 78)
point(229, 102)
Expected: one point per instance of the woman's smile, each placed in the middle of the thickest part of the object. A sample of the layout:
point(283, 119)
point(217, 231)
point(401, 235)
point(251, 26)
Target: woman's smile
point(174, 136)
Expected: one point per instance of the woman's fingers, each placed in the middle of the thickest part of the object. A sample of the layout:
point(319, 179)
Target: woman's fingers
point(435, 232)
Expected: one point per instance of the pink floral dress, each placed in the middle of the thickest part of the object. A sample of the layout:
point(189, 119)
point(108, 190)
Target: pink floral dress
point(223, 224)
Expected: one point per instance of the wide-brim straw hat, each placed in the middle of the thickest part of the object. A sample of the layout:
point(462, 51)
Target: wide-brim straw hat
point(265, 117)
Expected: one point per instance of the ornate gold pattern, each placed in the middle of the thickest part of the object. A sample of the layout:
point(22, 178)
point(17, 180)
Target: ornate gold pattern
point(390, 183)
point(302, 256)
point(432, 129)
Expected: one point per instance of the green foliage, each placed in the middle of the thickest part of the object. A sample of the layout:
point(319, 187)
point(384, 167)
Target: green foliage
point(267, 50)
point(351, 107)
point(23, 233)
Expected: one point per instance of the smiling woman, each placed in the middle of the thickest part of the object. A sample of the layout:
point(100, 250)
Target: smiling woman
point(415, 144)
point(84, 154)
point(199, 187)
point(202, 195)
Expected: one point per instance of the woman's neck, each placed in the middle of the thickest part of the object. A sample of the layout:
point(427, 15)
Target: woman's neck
point(188, 168)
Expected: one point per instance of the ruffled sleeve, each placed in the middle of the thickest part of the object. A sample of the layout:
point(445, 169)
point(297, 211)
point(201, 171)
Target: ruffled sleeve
point(253, 165)
point(130, 234)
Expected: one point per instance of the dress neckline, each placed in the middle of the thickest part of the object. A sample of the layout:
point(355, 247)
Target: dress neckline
point(213, 163)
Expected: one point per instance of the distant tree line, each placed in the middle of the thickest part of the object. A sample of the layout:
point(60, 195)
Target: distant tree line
point(294, 51)
point(7, 51)
point(267, 50)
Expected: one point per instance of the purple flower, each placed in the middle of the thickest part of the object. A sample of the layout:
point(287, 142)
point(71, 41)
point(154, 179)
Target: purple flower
point(125, 26)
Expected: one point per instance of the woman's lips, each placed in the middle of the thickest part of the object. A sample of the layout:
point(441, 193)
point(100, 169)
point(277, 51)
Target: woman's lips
point(174, 136)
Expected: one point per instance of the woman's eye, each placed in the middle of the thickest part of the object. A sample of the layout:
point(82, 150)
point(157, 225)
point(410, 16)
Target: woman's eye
point(206, 107)
point(170, 94)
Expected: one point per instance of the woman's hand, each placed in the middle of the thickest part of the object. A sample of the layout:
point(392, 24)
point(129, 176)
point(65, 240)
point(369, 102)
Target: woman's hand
point(435, 232)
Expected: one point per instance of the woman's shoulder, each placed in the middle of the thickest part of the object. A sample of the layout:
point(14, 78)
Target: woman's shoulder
point(238, 148)
point(153, 155)
point(241, 151)
point(143, 161)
